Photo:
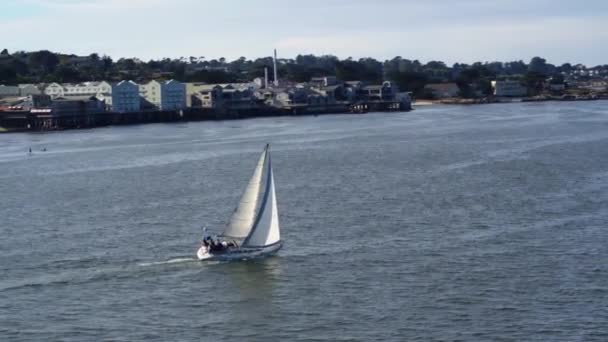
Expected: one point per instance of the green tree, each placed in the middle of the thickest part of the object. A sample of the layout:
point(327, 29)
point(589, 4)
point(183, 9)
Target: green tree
point(534, 81)
point(44, 60)
point(7, 75)
point(411, 81)
point(66, 74)
point(538, 65)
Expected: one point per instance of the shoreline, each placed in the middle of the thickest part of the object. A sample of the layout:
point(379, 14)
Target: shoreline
point(26, 122)
point(505, 100)
point(196, 116)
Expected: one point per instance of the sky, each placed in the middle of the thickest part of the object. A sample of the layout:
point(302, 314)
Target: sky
point(452, 31)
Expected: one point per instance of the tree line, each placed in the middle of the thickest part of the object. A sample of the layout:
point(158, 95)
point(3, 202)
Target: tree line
point(411, 75)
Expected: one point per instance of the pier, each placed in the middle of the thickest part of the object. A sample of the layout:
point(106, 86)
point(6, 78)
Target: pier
point(40, 120)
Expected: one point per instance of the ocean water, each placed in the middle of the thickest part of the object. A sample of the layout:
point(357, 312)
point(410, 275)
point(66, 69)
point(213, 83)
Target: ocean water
point(481, 223)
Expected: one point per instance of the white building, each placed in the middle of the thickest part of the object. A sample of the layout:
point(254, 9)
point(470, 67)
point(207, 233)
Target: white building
point(79, 89)
point(508, 89)
point(121, 97)
point(164, 95)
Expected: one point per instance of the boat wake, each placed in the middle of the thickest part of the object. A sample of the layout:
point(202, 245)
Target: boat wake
point(168, 262)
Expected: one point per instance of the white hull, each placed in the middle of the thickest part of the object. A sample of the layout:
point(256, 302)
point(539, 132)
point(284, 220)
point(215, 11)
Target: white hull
point(238, 253)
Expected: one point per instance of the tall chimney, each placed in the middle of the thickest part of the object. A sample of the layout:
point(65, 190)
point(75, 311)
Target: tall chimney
point(266, 78)
point(276, 77)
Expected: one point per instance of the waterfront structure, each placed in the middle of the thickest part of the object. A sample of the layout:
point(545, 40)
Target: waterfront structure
point(237, 98)
point(332, 93)
point(77, 106)
point(29, 89)
point(192, 89)
point(7, 91)
point(443, 90)
point(77, 89)
point(37, 101)
point(326, 81)
point(206, 96)
point(163, 95)
point(508, 89)
point(383, 92)
point(121, 97)
point(54, 90)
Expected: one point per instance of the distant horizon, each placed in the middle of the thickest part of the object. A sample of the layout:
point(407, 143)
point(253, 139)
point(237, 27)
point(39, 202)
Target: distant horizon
point(473, 30)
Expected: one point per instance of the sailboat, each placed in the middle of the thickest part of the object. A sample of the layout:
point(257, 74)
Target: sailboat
point(253, 230)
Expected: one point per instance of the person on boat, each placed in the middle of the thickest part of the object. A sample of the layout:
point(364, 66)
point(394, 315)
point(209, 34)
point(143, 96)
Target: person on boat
point(216, 246)
point(207, 240)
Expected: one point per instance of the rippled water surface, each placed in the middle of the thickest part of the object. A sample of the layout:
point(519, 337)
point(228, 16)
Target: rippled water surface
point(446, 223)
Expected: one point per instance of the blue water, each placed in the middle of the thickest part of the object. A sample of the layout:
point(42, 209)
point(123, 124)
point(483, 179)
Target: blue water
point(480, 223)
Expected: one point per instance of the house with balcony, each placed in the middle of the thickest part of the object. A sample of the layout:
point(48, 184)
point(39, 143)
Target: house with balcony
point(208, 96)
point(123, 97)
point(163, 95)
point(383, 92)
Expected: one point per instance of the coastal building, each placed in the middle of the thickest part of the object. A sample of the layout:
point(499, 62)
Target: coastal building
point(121, 97)
point(443, 90)
point(332, 94)
point(37, 101)
point(163, 95)
point(593, 85)
point(29, 89)
point(6, 91)
point(77, 106)
point(508, 89)
point(326, 81)
point(207, 96)
point(384, 92)
point(54, 90)
point(77, 89)
point(192, 90)
point(405, 100)
point(293, 96)
point(352, 90)
point(237, 98)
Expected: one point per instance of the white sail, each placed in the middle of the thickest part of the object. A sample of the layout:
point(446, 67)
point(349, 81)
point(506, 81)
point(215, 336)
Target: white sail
point(244, 215)
point(266, 230)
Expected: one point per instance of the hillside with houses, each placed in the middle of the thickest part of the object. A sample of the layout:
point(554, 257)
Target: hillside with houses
point(45, 90)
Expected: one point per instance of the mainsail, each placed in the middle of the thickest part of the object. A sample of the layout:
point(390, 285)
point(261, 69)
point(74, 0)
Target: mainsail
point(243, 218)
point(265, 231)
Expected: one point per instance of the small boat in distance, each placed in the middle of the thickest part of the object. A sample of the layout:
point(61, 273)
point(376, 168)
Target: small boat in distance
point(253, 230)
